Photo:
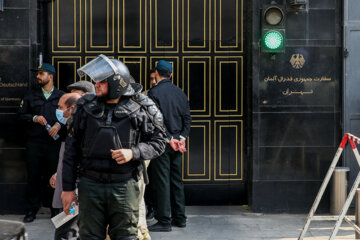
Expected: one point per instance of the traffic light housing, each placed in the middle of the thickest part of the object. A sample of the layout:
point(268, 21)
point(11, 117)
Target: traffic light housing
point(273, 29)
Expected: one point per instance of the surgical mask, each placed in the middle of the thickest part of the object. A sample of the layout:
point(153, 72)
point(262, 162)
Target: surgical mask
point(60, 116)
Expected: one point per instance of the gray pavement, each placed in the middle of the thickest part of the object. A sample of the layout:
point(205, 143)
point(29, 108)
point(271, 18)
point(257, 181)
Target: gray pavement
point(220, 222)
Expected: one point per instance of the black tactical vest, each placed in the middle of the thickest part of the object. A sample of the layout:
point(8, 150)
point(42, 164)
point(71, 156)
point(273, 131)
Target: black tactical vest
point(109, 127)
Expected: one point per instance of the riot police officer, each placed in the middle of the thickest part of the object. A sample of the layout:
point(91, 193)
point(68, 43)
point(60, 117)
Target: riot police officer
point(111, 132)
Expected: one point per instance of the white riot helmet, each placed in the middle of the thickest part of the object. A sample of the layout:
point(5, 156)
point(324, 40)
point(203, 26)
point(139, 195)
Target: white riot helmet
point(113, 71)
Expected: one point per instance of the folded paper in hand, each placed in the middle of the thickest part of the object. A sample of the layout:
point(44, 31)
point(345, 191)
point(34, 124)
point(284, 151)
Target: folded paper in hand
point(63, 218)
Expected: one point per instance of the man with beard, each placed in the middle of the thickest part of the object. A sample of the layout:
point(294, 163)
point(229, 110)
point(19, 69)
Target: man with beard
point(110, 133)
point(38, 111)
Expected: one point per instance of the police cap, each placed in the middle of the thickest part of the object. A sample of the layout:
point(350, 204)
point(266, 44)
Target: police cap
point(45, 67)
point(164, 66)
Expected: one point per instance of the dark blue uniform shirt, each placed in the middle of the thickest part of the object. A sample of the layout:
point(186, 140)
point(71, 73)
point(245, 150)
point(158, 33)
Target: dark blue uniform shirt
point(174, 105)
point(34, 103)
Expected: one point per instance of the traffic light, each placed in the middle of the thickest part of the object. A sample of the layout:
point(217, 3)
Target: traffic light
point(273, 29)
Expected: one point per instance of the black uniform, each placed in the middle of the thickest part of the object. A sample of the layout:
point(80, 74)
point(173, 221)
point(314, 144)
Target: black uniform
point(42, 149)
point(166, 169)
point(174, 106)
point(108, 192)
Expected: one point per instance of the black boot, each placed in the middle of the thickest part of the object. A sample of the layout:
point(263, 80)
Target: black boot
point(29, 216)
point(150, 214)
point(159, 227)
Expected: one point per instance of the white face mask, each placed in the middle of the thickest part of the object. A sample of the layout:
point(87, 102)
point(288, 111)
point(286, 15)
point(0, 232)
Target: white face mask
point(60, 116)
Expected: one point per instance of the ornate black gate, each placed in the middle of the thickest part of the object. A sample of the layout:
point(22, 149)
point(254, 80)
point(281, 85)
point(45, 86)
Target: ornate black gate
point(204, 40)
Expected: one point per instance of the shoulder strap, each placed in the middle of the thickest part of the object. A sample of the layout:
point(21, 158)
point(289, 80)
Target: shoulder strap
point(92, 106)
point(152, 110)
point(86, 98)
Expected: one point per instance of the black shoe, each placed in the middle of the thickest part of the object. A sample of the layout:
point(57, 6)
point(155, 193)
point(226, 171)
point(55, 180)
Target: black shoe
point(178, 224)
point(158, 227)
point(29, 217)
point(150, 215)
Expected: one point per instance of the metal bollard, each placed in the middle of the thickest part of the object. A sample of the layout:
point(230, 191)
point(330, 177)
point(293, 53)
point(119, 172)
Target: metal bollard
point(338, 191)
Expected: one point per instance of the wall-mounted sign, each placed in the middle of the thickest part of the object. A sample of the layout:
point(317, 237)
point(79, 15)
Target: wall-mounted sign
point(9, 93)
point(300, 77)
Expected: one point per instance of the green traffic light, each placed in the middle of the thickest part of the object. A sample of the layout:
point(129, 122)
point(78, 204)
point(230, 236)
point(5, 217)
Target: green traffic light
point(273, 40)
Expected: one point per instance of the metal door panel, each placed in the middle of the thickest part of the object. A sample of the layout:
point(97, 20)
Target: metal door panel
point(203, 40)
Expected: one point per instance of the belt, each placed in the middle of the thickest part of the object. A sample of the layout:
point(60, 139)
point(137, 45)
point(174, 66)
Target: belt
point(107, 177)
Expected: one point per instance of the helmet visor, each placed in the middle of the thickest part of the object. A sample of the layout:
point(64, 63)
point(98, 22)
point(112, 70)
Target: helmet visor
point(97, 69)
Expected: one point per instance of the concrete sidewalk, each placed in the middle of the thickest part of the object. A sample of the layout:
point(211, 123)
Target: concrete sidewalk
point(221, 223)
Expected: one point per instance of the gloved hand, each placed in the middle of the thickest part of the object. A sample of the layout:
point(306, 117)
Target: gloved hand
point(174, 144)
point(182, 145)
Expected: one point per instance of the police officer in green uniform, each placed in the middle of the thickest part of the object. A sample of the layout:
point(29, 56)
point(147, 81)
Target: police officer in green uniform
point(37, 110)
point(111, 133)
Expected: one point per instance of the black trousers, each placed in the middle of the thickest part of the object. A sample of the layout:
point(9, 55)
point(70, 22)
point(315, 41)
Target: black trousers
point(148, 196)
point(42, 160)
point(68, 231)
point(168, 188)
point(108, 204)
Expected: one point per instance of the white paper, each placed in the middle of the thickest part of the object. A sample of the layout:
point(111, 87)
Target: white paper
point(62, 218)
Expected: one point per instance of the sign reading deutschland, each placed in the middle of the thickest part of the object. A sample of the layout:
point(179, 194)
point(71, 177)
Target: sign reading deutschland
point(12, 85)
point(10, 93)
